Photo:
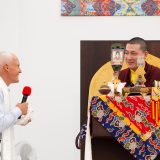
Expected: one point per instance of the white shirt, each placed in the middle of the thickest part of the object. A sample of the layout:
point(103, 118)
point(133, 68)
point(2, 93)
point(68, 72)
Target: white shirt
point(7, 119)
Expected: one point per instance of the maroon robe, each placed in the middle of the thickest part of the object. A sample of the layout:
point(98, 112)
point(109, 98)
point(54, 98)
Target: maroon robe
point(152, 73)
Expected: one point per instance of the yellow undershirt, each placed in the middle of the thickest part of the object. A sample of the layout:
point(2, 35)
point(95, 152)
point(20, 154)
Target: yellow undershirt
point(133, 76)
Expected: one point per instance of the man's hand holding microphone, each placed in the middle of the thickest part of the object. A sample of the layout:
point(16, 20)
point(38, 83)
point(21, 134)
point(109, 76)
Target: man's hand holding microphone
point(23, 107)
point(25, 118)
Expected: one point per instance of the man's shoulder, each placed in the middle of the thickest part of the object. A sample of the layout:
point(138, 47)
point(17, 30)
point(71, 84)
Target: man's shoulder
point(153, 72)
point(154, 68)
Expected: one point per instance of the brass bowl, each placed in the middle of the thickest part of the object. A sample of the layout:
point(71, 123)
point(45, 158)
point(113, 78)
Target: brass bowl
point(104, 90)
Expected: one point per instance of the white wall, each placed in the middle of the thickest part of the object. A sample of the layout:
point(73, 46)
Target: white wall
point(49, 49)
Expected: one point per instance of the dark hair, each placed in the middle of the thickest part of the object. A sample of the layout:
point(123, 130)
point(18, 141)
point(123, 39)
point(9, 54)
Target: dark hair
point(138, 40)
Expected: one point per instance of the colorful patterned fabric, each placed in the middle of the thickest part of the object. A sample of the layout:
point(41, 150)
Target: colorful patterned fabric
point(115, 123)
point(137, 110)
point(110, 7)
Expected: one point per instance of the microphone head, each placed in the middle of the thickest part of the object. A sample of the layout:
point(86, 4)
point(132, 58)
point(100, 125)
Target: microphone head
point(26, 90)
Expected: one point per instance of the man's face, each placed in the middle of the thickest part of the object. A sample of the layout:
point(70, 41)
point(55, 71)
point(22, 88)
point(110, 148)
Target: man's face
point(14, 70)
point(131, 54)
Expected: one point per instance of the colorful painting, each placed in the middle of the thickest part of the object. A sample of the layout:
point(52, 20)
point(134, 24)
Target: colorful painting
point(110, 7)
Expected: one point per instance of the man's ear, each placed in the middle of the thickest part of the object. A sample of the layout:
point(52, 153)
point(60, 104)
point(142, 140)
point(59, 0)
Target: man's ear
point(5, 67)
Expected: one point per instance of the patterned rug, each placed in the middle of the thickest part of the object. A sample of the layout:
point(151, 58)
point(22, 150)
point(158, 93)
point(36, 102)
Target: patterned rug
point(110, 7)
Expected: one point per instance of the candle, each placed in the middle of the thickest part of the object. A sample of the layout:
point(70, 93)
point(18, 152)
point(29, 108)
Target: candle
point(153, 115)
point(157, 112)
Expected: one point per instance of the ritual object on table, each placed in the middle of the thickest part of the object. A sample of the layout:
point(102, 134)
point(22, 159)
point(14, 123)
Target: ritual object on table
point(104, 89)
point(155, 102)
point(117, 57)
point(136, 90)
point(140, 72)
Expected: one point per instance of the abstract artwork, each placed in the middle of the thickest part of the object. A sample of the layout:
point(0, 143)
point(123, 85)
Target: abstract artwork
point(110, 7)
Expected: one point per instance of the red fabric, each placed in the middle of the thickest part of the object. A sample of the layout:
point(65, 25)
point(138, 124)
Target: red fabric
point(137, 110)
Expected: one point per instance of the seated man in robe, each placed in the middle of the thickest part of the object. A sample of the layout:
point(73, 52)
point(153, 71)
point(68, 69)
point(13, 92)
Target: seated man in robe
point(134, 48)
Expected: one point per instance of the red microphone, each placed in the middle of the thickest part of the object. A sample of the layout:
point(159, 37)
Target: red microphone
point(26, 92)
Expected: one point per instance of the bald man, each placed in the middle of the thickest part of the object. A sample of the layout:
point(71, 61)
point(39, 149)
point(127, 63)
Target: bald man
point(9, 73)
